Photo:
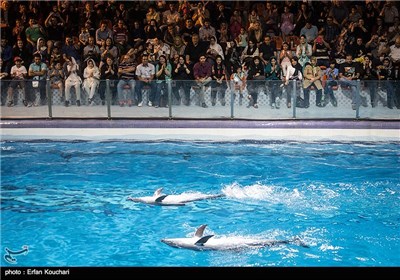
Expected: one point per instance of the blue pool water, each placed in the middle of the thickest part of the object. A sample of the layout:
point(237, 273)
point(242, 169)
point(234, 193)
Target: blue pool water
point(67, 201)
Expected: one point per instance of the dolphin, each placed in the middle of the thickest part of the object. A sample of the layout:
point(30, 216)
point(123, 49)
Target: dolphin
point(160, 199)
point(208, 242)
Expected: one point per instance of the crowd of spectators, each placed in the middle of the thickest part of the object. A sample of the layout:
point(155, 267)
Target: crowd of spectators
point(79, 44)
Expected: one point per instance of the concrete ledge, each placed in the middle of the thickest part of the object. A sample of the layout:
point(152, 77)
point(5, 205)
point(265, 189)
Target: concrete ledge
point(209, 130)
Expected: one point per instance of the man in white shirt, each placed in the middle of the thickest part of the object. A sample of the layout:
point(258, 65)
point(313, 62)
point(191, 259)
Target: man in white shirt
point(18, 74)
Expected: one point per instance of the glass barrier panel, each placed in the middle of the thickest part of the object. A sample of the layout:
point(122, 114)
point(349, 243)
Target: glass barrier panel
point(380, 99)
point(23, 99)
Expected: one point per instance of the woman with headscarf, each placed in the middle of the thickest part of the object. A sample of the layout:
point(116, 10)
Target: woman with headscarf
point(72, 79)
point(91, 76)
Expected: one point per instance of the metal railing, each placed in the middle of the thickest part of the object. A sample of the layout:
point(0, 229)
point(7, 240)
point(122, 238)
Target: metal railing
point(257, 100)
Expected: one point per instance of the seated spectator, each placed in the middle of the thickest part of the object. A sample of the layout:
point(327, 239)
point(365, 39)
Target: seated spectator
point(91, 80)
point(182, 76)
point(37, 72)
point(219, 84)
point(310, 32)
point(293, 75)
point(238, 83)
point(273, 74)
point(202, 75)
point(312, 75)
point(72, 80)
point(331, 75)
point(126, 73)
point(108, 71)
point(18, 75)
point(163, 74)
point(56, 76)
point(145, 73)
point(256, 77)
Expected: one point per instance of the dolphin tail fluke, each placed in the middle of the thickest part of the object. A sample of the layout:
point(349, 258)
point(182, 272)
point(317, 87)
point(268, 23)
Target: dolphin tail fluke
point(299, 242)
point(200, 231)
point(158, 192)
point(203, 240)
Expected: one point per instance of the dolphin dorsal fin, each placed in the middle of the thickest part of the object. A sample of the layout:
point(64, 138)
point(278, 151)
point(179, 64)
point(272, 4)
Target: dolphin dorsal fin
point(200, 231)
point(158, 192)
point(203, 240)
point(161, 198)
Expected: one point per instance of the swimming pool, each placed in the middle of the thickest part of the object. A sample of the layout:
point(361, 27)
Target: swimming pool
point(67, 201)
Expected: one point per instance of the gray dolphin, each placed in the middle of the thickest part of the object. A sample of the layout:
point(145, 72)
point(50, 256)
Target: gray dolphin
point(160, 199)
point(209, 242)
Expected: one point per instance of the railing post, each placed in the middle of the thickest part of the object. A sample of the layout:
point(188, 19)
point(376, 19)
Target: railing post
point(169, 86)
point(108, 98)
point(358, 99)
point(294, 97)
point(232, 101)
point(49, 98)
